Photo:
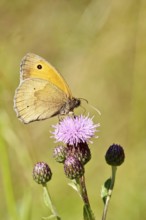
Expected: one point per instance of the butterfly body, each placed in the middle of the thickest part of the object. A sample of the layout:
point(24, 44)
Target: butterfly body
point(42, 92)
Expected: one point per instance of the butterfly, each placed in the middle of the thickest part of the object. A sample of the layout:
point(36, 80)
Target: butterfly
point(42, 92)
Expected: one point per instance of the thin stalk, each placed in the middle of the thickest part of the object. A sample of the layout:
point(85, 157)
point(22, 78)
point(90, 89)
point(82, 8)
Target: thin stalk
point(49, 202)
point(114, 169)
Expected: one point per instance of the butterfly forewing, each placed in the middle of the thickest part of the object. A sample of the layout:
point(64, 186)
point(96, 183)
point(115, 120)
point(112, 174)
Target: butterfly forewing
point(34, 66)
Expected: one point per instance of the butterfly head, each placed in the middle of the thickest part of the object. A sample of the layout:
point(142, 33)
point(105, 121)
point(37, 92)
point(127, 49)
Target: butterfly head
point(69, 106)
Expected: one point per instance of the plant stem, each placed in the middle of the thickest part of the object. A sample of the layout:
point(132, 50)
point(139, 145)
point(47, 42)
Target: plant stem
point(88, 214)
point(49, 202)
point(114, 169)
point(83, 190)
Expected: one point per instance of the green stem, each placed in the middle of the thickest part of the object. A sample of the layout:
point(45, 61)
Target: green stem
point(114, 169)
point(88, 214)
point(49, 202)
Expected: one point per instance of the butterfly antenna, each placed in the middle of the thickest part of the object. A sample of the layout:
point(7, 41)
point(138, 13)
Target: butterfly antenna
point(97, 110)
point(84, 100)
point(83, 109)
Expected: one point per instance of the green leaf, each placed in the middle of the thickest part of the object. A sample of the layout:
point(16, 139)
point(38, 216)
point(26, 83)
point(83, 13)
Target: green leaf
point(47, 200)
point(73, 185)
point(105, 189)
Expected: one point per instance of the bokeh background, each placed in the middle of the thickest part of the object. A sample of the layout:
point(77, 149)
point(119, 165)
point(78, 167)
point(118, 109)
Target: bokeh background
point(100, 48)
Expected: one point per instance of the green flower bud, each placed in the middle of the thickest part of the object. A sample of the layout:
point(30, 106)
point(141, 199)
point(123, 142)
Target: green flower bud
point(115, 155)
point(41, 173)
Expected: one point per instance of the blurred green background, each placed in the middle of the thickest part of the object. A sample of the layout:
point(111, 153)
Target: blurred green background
point(100, 48)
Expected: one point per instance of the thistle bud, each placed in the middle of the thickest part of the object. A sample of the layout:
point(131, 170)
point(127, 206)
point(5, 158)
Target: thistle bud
point(59, 154)
point(115, 155)
point(41, 173)
point(73, 168)
point(81, 152)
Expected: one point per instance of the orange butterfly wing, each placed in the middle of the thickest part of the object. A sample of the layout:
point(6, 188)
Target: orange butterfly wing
point(34, 66)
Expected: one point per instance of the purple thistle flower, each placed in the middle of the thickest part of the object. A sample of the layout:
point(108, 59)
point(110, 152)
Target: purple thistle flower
point(75, 130)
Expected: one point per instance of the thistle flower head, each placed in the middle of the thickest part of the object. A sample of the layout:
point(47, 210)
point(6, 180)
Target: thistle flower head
point(75, 130)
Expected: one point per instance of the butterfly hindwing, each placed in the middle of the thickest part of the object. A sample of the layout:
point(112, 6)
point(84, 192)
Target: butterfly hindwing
point(37, 99)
